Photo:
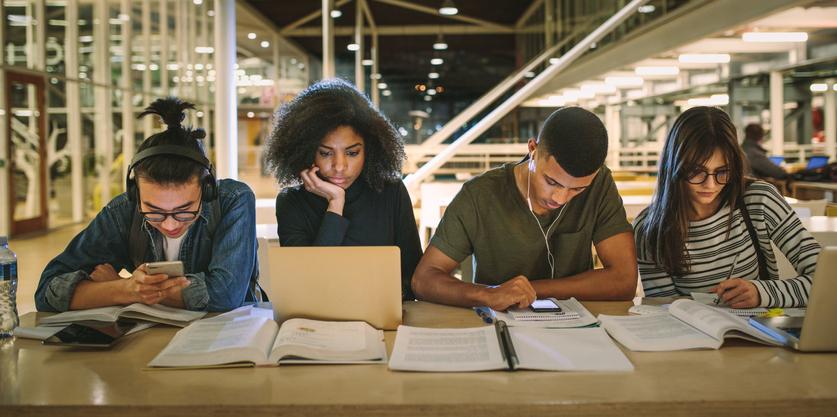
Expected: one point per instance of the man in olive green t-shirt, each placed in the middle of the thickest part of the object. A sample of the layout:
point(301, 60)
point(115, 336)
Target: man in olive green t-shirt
point(530, 226)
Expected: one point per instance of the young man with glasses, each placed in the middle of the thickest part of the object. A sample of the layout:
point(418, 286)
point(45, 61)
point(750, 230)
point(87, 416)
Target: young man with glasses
point(173, 210)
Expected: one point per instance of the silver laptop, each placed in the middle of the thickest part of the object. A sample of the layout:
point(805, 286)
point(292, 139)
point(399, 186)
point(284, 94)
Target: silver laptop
point(336, 283)
point(817, 331)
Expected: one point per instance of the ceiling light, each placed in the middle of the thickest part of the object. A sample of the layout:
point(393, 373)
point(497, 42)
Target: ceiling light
point(704, 58)
point(367, 62)
point(598, 87)
point(382, 86)
point(437, 61)
point(774, 37)
point(211, 13)
point(819, 87)
point(448, 8)
point(251, 35)
point(657, 70)
point(428, 98)
point(265, 44)
point(440, 44)
point(440, 89)
point(433, 75)
point(197, 2)
point(336, 13)
point(353, 47)
point(529, 74)
point(387, 93)
point(204, 49)
point(624, 81)
point(648, 8)
point(375, 76)
point(251, 114)
point(431, 92)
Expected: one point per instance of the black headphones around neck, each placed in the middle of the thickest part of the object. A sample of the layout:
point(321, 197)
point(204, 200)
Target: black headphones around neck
point(208, 183)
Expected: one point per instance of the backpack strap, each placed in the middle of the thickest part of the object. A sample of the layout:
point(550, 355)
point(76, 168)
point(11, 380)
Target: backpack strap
point(754, 238)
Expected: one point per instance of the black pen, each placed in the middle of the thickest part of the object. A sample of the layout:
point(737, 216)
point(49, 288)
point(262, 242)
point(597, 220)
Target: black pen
point(506, 345)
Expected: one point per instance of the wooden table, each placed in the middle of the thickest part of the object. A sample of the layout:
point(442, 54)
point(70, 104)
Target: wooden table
point(740, 379)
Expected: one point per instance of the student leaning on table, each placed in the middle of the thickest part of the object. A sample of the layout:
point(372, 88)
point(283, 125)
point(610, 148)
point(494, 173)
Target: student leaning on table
point(173, 209)
point(339, 160)
point(530, 226)
point(694, 235)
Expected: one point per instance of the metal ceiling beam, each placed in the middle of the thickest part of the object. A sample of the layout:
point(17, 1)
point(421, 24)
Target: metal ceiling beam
point(691, 22)
point(521, 21)
point(309, 17)
point(402, 30)
point(429, 10)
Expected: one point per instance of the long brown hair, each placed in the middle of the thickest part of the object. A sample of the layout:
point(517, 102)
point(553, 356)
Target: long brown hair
point(692, 140)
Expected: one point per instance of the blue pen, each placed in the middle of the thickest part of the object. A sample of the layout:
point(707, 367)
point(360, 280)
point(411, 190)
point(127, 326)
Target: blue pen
point(485, 314)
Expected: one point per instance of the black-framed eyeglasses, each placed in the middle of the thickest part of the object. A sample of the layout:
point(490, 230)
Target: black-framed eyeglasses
point(700, 176)
point(180, 216)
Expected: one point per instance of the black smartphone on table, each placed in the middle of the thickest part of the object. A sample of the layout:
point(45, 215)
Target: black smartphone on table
point(545, 306)
point(91, 334)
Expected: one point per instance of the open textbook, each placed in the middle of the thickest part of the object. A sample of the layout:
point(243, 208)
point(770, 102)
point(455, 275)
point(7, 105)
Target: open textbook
point(688, 325)
point(251, 337)
point(157, 313)
point(499, 347)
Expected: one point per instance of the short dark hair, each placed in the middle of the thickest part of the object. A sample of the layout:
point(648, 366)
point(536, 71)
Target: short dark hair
point(576, 138)
point(171, 169)
point(301, 124)
point(754, 132)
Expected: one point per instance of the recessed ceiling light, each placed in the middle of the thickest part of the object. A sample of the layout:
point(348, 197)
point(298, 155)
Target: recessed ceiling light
point(448, 8)
point(437, 61)
point(774, 37)
point(433, 75)
point(251, 35)
point(336, 13)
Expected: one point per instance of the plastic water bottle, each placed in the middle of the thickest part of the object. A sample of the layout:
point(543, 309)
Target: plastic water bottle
point(8, 289)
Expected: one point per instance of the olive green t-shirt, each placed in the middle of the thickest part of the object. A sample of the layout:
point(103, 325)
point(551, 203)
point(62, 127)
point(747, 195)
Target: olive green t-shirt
point(491, 220)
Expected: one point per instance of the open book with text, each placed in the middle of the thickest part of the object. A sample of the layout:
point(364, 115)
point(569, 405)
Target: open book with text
point(499, 347)
point(156, 313)
point(687, 325)
point(257, 340)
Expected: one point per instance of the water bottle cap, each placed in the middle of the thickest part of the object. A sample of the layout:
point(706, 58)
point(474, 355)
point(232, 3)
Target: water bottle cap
point(4, 240)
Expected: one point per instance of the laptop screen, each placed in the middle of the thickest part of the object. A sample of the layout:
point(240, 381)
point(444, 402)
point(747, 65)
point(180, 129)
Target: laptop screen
point(815, 162)
point(777, 159)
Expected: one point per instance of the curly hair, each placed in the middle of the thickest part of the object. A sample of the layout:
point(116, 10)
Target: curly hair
point(300, 125)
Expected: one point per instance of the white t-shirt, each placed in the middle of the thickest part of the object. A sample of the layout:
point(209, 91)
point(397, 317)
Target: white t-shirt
point(171, 247)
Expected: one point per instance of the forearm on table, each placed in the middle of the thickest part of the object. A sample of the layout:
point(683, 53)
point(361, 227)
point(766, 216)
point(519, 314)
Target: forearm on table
point(91, 294)
point(439, 287)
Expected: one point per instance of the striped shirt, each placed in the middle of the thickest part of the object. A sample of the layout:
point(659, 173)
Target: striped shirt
point(715, 255)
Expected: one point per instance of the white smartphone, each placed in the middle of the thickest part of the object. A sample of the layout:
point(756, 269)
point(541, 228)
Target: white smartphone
point(170, 268)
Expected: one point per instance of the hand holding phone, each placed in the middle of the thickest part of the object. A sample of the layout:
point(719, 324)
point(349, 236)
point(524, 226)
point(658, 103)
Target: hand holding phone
point(545, 306)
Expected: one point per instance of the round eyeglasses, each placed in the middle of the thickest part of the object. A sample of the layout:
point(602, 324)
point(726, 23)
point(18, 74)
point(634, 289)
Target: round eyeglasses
point(700, 176)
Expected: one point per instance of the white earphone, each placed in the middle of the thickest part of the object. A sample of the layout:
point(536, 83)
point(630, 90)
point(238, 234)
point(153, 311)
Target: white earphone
point(550, 258)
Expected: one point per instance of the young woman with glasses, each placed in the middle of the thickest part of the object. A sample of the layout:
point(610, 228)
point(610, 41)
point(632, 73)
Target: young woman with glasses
point(709, 229)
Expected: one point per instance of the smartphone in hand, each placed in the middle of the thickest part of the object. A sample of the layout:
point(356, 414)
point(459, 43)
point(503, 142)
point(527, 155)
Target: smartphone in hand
point(170, 268)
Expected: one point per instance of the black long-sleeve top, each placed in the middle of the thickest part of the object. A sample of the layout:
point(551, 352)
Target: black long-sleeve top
point(369, 219)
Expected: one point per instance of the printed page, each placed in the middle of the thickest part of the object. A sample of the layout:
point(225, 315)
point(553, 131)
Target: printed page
point(207, 343)
point(328, 341)
point(656, 332)
point(446, 350)
point(568, 350)
point(96, 314)
point(716, 322)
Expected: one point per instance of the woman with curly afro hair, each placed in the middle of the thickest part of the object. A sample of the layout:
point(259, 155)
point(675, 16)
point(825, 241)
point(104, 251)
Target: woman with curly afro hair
point(338, 160)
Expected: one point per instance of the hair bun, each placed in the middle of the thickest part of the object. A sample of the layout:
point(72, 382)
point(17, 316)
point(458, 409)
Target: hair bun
point(198, 134)
point(171, 110)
